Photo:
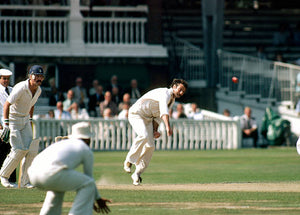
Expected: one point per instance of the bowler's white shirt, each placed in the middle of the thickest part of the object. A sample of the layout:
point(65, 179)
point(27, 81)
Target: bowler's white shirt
point(3, 97)
point(21, 99)
point(154, 103)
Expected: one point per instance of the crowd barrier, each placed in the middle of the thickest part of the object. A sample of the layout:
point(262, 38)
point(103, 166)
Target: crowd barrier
point(117, 135)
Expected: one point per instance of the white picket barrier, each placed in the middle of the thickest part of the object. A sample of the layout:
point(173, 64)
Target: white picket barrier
point(117, 135)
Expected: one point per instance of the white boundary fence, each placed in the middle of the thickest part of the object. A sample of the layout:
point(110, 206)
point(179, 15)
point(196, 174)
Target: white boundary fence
point(110, 135)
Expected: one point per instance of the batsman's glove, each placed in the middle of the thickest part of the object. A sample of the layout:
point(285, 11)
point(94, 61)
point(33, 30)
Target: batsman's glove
point(5, 134)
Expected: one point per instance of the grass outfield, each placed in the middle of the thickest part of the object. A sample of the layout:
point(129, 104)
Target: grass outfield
point(246, 181)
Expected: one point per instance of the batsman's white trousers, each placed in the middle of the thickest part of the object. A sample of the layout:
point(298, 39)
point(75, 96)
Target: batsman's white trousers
point(20, 139)
point(58, 183)
point(142, 148)
point(20, 133)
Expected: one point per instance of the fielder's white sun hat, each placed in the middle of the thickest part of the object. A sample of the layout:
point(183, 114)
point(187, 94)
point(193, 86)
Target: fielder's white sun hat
point(81, 130)
point(5, 72)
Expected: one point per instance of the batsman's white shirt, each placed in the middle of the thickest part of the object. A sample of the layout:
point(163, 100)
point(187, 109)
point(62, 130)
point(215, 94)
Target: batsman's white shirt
point(21, 100)
point(64, 155)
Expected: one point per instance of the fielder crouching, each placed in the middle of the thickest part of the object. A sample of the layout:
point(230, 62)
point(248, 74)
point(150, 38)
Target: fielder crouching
point(17, 114)
point(54, 170)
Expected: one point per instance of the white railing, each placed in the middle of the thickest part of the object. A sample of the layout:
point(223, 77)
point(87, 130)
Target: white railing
point(258, 78)
point(73, 33)
point(191, 59)
point(118, 135)
point(33, 30)
point(116, 31)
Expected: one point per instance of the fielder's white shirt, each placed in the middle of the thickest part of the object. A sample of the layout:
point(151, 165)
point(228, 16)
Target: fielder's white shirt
point(66, 154)
point(3, 97)
point(154, 104)
point(21, 99)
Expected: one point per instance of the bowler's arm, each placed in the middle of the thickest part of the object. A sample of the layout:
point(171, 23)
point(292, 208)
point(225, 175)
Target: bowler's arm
point(166, 121)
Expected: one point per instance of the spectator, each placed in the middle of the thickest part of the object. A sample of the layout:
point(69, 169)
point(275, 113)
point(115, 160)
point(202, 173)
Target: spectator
point(282, 36)
point(70, 100)
point(279, 57)
point(108, 103)
point(249, 126)
point(50, 114)
point(78, 113)
point(226, 112)
point(93, 89)
point(60, 113)
point(115, 95)
point(195, 113)
point(114, 83)
point(134, 91)
point(124, 112)
point(55, 94)
point(95, 100)
point(80, 95)
point(179, 113)
point(260, 52)
point(126, 100)
point(108, 114)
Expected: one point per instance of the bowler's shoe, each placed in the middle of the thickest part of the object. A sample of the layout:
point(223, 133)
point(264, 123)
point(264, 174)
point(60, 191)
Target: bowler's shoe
point(137, 180)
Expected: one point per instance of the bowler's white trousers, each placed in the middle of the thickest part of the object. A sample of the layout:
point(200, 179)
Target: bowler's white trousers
point(143, 146)
point(60, 182)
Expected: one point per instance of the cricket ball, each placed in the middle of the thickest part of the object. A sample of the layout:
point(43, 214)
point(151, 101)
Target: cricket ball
point(235, 79)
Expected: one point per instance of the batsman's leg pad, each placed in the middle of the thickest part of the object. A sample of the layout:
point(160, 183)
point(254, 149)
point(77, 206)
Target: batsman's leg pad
point(27, 160)
point(11, 162)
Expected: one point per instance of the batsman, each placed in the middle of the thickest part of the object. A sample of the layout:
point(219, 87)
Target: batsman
point(17, 116)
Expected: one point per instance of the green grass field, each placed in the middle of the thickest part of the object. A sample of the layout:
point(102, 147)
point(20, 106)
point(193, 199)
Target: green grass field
point(246, 181)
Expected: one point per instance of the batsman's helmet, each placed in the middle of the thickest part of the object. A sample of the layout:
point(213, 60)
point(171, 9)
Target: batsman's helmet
point(36, 70)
